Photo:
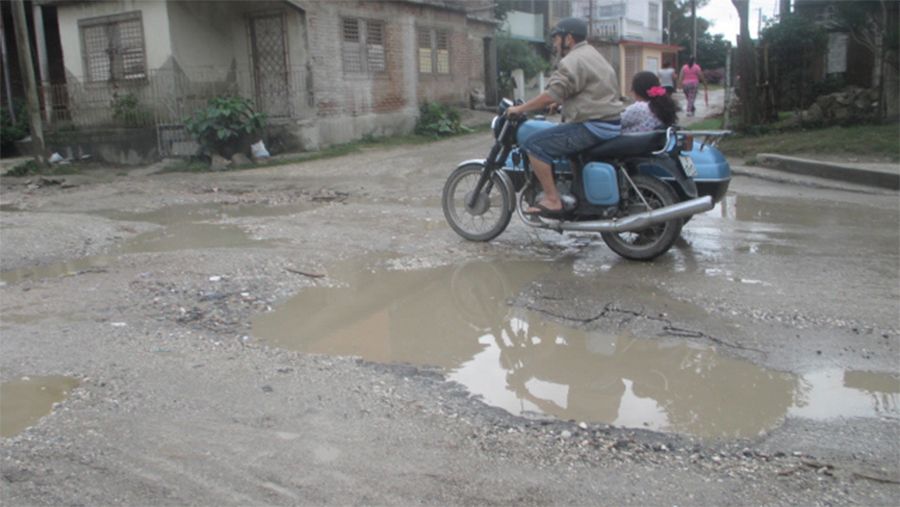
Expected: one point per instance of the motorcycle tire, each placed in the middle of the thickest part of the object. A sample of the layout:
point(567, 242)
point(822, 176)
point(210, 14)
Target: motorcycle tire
point(655, 240)
point(492, 211)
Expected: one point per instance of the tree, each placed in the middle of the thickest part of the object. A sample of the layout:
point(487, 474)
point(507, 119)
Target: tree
point(746, 59)
point(794, 42)
point(517, 54)
point(711, 49)
point(874, 25)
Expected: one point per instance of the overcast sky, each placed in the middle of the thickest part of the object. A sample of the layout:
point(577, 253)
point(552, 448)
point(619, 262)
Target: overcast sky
point(725, 19)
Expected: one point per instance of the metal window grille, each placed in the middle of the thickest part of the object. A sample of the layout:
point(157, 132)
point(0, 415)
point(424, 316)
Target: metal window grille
point(363, 50)
point(268, 39)
point(350, 51)
point(113, 48)
point(375, 46)
point(425, 63)
point(442, 55)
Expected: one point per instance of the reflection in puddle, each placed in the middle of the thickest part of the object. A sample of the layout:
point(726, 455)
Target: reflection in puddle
point(23, 402)
point(458, 318)
point(836, 393)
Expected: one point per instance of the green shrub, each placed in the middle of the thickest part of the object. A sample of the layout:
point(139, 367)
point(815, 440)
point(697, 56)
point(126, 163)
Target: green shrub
point(226, 126)
point(437, 120)
point(24, 169)
point(10, 131)
point(127, 111)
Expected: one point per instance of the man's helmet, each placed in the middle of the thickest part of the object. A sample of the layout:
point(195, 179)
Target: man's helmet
point(575, 26)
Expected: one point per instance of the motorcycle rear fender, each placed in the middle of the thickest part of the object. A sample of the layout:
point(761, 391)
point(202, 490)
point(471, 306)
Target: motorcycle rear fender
point(667, 170)
point(500, 173)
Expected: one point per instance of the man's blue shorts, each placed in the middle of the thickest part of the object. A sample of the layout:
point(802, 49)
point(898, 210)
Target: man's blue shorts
point(567, 139)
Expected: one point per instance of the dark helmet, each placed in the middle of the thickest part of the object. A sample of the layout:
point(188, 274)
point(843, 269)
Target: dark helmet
point(575, 26)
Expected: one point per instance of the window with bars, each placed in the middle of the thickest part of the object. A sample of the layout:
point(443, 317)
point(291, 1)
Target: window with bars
point(434, 51)
point(113, 48)
point(362, 51)
point(653, 22)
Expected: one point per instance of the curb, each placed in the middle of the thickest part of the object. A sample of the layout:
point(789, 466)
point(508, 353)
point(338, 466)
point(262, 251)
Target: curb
point(883, 178)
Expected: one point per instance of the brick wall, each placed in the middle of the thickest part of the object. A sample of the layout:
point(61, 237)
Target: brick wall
point(400, 87)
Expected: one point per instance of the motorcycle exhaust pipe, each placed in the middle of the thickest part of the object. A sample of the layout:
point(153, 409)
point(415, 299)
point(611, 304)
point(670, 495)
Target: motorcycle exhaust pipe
point(638, 221)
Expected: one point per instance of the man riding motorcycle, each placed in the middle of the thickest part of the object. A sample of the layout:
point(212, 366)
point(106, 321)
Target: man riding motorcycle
point(587, 87)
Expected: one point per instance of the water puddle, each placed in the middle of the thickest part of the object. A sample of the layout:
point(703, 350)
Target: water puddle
point(23, 402)
point(835, 393)
point(185, 213)
point(186, 227)
point(458, 318)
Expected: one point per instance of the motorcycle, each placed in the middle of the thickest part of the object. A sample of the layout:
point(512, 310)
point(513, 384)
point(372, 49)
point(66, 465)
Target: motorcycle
point(636, 190)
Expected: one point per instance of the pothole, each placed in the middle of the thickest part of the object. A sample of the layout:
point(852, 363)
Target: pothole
point(185, 227)
point(459, 318)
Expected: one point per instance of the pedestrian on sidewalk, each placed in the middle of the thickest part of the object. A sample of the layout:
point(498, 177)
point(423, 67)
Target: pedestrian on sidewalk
point(654, 108)
point(667, 77)
point(689, 80)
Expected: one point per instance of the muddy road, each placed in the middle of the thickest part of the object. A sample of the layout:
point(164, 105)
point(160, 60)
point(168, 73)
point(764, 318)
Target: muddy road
point(316, 334)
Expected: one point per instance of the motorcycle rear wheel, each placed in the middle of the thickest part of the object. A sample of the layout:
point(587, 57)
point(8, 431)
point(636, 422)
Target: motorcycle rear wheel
point(655, 240)
point(492, 211)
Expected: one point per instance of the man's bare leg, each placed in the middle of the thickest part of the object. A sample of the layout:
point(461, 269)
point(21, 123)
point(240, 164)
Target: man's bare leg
point(544, 174)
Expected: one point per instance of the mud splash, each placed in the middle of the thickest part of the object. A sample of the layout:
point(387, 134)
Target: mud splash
point(24, 401)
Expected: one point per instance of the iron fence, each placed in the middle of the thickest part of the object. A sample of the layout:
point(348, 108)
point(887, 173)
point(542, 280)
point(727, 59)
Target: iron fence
point(166, 97)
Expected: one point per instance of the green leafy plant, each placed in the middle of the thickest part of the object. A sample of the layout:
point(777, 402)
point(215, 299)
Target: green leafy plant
point(127, 110)
point(24, 169)
point(517, 54)
point(437, 120)
point(226, 126)
point(11, 131)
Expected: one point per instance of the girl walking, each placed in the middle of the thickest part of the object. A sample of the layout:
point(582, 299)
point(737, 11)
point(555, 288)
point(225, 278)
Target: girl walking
point(689, 80)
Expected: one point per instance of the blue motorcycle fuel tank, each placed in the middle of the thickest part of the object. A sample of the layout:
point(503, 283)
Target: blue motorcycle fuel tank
point(530, 127)
point(600, 185)
point(525, 130)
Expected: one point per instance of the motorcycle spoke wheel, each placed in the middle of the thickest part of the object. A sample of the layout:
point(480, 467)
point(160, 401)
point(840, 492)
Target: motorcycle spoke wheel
point(492, 210)
point(650, 242)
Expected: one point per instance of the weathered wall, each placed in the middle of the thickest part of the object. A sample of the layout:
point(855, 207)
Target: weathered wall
point(154, 17)
point(197, 49)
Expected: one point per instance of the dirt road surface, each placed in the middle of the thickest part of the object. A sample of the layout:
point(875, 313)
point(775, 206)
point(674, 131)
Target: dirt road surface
point(145, 290)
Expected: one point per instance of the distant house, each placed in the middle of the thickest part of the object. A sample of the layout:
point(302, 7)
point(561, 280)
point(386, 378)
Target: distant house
point(629, 34)
point(324, 72)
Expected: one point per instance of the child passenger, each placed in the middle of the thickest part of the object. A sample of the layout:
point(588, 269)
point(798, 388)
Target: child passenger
point(654, 109)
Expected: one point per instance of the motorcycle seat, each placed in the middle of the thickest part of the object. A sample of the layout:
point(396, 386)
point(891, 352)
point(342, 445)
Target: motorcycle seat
point(626, 145)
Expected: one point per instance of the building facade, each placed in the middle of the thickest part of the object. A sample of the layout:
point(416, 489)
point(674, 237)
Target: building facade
point(629, 34)
point(323, 72)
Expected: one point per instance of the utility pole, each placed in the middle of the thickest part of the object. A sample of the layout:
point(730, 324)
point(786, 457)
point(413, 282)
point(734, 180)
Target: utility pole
point(758, 21)
point(8, 87)
point(590, 19)
point(694, 38)
point(20, 25)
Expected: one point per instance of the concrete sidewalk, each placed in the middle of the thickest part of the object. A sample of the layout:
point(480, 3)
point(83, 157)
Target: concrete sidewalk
point(882, 175)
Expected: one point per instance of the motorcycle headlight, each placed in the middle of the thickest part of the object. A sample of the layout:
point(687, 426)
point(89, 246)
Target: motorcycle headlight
point(497, 125)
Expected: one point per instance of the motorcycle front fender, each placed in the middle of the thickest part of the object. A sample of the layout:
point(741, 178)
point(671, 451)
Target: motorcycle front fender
point(501, 174)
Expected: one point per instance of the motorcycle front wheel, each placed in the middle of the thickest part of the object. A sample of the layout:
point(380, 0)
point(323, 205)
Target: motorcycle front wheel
point(490, 214)
point(655, 240)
